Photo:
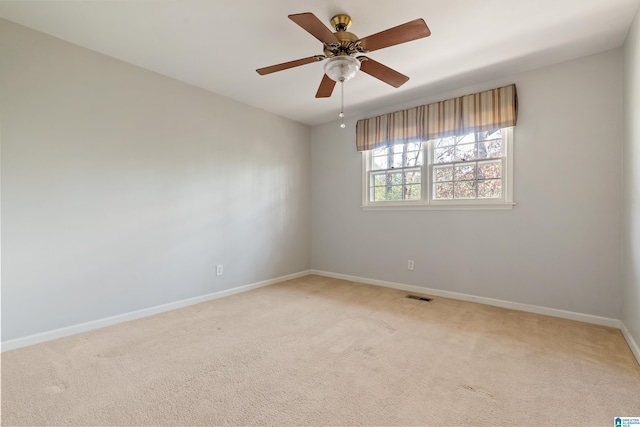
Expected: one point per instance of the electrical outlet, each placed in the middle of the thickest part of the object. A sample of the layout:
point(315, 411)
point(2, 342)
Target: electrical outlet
point(410, 264)
point(219, 270)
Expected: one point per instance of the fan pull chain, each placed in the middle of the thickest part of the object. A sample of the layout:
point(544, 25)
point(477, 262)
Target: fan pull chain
point(341, 115)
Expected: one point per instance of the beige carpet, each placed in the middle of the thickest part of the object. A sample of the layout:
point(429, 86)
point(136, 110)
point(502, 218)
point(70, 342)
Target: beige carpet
point(316, 351)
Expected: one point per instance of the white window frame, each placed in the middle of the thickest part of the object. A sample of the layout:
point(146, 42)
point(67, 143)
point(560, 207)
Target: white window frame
point(505, 202)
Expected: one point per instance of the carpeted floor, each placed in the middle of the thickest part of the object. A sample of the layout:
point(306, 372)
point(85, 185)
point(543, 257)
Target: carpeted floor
point(314, 351)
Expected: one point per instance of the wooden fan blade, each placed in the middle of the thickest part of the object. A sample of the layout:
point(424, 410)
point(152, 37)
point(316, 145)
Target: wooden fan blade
point(412, 30)
point(382, 72)
point(326, 87)
point(309, 22)
point(290, 64)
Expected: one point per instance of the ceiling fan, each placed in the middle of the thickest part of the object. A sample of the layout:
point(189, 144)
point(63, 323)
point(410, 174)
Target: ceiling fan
point(343, 50)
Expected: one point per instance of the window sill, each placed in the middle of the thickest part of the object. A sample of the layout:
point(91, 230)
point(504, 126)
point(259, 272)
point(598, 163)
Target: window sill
point(439, 206)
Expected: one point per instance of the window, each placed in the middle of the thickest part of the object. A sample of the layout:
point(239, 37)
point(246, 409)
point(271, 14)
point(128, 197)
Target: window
point(473, 170)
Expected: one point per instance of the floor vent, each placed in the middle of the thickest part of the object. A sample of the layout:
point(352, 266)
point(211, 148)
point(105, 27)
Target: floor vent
point(419, 298)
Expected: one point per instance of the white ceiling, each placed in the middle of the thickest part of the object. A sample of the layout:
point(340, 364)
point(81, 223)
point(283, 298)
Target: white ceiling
point(218, 44)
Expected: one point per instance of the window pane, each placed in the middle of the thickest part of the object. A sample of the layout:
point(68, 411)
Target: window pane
point(465, 172)
point(443, 155)
point(443, 173)
point(379, 193)
point(398, 148)
point(397, 160)
point(391, 192)
point(490, 189)
point(494, 134)
point(444, 142)
point(381, 151)
point(443, 191)
point(414, 146)
point(413, 158)
point(380, 162)
point(412, 177)
point(464, 190)
point(493, 148)
point(483, 151)
point(465, 152)
point(488, 170)
point(464, 139)
point(412, 192)
point(394, 178)
point(379, 179)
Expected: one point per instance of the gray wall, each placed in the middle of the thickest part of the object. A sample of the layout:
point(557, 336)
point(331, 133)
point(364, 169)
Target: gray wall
point(631, 307)
point(121, 188)
point(560, 247)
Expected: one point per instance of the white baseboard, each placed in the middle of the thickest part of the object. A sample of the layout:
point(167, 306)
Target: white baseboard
point(597, 320)
point(113, 320)
point(635, 349)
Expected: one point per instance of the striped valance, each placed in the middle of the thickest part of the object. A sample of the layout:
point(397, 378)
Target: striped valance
point(488, 110)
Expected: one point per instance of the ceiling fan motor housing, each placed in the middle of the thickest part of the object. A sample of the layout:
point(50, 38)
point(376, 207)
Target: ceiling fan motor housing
point(348, 41)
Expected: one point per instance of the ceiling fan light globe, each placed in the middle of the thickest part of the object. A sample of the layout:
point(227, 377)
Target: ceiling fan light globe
point(341, 68)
